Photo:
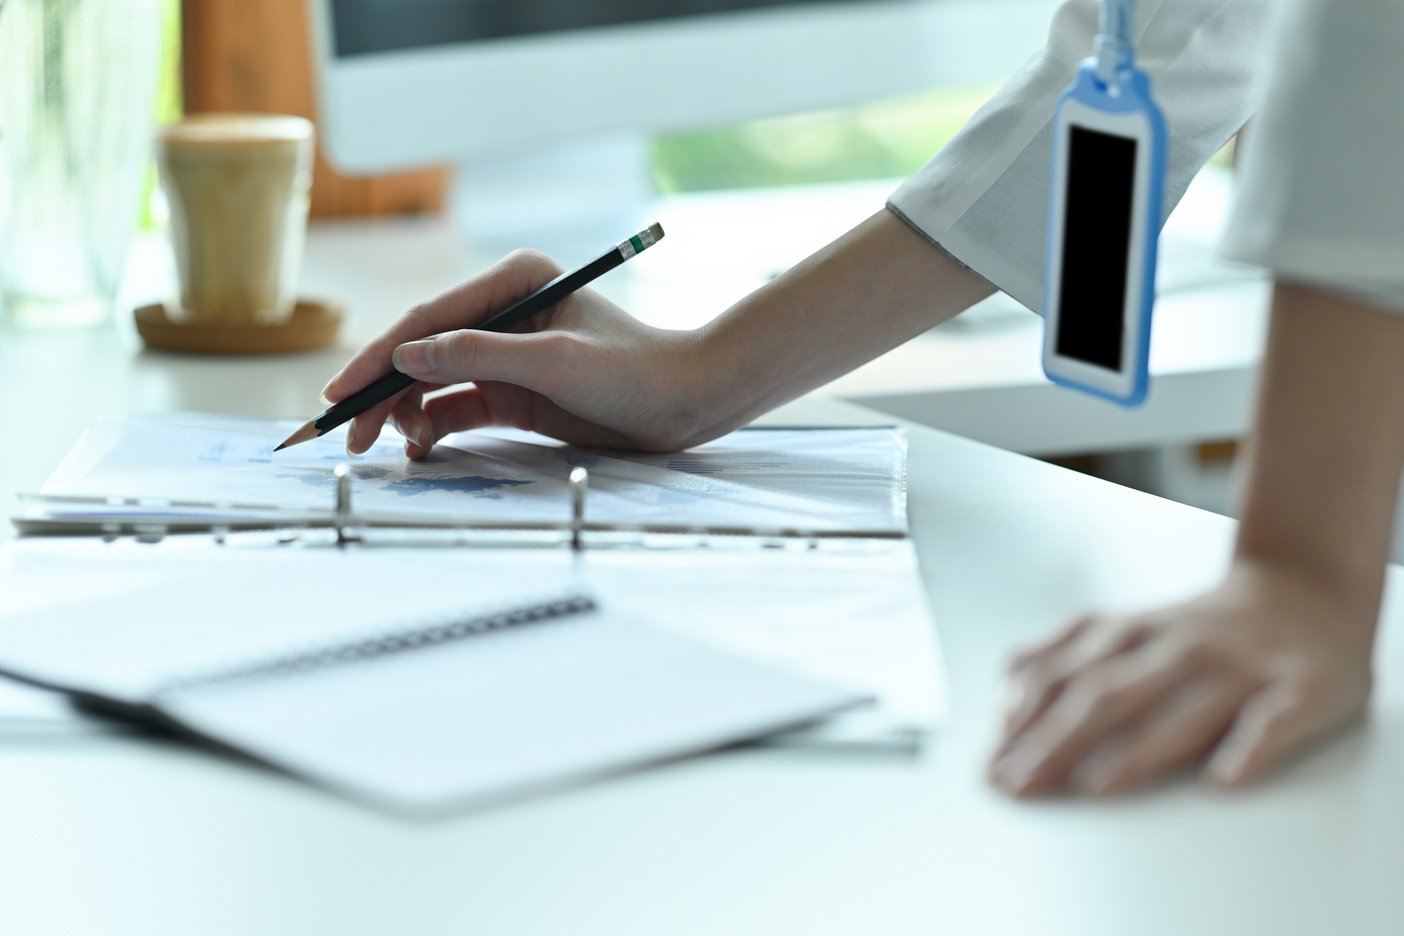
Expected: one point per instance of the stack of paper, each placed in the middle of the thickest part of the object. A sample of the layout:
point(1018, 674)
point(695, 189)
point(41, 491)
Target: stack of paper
point(193, 469)
point(481, 681)
point(840, 607)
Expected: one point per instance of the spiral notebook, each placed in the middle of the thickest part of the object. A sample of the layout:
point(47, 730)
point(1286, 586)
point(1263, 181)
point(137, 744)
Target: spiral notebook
point(465, 702)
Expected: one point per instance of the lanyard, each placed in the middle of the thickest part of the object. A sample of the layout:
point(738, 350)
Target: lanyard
point(1115, 49)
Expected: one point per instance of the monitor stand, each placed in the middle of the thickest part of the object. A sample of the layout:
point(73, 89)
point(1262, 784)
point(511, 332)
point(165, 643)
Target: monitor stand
point(571, 200)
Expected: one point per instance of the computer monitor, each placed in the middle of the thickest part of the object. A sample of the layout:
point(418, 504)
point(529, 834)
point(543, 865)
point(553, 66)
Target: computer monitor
point(519, 91)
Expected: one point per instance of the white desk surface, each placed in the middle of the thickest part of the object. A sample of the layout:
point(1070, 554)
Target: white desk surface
point(116, 835)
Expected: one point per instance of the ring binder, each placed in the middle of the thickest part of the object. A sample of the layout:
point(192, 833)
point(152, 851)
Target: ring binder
point(579, 482)
point(299, 526)
point(795, 539)
point(343, 503)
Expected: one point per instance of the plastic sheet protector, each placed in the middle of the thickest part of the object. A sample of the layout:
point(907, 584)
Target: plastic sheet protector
point(197, 466)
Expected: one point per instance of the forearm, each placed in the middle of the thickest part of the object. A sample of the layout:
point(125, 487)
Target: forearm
point(872, 289)
point(1328, 446)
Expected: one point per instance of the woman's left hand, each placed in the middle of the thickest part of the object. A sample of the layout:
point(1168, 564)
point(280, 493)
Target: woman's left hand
point(1237, 679)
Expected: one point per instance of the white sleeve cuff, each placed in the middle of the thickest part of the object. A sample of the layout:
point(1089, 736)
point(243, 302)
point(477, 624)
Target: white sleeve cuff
point(984, 197)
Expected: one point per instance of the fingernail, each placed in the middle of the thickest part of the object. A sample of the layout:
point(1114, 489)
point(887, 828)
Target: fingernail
point(415, 357)
point(1095, 778)
point(1226, 771)
point(413, 429)
point(1015, 772)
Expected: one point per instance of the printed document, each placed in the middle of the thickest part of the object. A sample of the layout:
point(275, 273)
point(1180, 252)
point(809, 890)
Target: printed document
point(195, 465)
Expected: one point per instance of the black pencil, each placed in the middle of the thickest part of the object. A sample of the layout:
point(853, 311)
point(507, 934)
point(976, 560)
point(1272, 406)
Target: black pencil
point(543, 298)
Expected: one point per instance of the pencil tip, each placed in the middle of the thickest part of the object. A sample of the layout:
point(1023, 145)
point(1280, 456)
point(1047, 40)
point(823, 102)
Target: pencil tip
point(308, 431)
point(280, 446)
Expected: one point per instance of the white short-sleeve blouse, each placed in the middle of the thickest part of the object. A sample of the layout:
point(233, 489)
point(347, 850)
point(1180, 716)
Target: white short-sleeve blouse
point(1321, 181)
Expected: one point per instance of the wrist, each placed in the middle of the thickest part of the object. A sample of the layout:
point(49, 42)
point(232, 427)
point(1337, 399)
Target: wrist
point(683, 390)
point(715, 389)
point(1347, 606)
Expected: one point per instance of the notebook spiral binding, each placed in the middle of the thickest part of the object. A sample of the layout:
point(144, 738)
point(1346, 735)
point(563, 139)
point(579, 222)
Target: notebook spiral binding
point(432, 632)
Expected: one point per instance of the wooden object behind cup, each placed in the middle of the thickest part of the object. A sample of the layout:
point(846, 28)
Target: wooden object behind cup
point(254, 55)
point(237, 185)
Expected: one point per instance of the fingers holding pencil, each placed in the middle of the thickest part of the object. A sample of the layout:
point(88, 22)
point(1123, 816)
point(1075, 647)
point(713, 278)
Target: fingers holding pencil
point(515, 276)
point(457, 357)
point(596, 377)
point(460, 357)
point(507, 281)
point(559, 359)
point(489, 403)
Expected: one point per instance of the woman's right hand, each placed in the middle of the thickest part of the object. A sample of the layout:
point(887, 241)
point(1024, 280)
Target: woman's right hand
point(583, 371)
point(587, 373)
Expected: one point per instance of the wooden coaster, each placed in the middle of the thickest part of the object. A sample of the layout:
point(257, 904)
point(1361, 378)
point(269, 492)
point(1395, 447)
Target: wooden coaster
point(313, 325)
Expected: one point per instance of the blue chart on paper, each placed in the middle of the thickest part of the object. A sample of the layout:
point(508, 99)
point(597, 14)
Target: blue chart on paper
point(474, 484)
point(414, 486)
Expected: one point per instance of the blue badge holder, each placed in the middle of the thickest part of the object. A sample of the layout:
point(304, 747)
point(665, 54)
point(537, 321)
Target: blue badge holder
point(1128, 93)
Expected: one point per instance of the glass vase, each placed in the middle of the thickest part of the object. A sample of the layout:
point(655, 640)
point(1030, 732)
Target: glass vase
point(77, 95)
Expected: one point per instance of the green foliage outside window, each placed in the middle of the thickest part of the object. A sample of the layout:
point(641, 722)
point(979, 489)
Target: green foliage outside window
point(886, 139)
point(168, 96)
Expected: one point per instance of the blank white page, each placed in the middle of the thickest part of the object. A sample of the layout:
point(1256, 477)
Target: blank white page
point(505, 713)
point(123, 619)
